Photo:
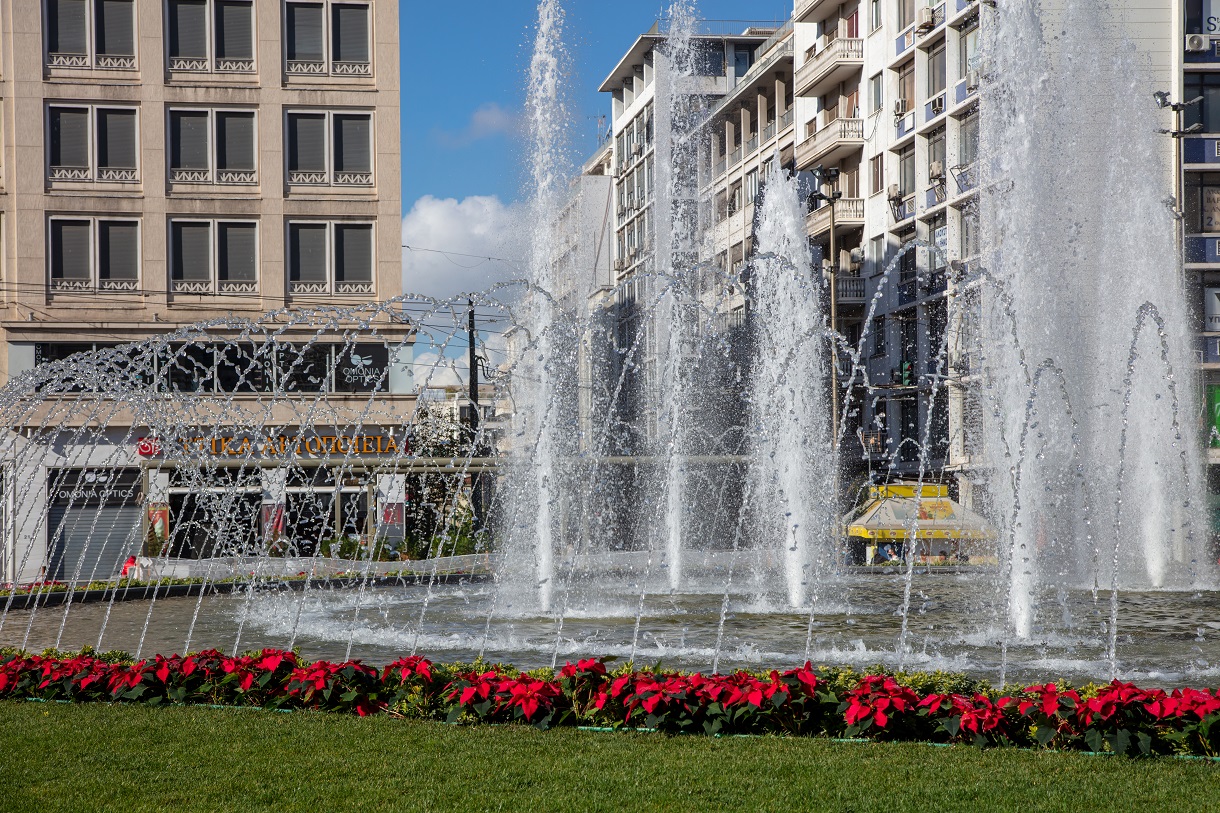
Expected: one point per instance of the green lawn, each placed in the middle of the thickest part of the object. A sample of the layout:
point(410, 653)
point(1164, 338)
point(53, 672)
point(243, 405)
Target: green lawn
point(132, 758)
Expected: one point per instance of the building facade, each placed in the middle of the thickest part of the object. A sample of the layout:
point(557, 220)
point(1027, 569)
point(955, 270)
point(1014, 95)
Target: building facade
point(174, 162)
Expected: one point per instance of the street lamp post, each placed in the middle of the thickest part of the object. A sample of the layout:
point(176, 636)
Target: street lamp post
point(828, 178)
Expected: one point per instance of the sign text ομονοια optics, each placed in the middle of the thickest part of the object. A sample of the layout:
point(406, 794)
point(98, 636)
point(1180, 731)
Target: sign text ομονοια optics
point(294, 445)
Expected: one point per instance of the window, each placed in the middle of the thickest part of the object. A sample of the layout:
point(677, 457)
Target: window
point(327, 38)
point(93, 254)
point(874, 15)
point(970, 233)
point(879, 336)
point(328, 148)
point(91, 34)
point(212, 146)
point(906, 85)
point(936, 70)
point(876, 253)
point(936, 150)
point(938, 236)
point(88, 143)
point(330, 258)
point(211, 35)
point(876, 166)
point(968, 49)
point(876, 92)
point(906, 171)
point(968, 140)
point(213, 257)
point(906, 13)
point(752, 188)
point(1202, 193)
point(1206, 112)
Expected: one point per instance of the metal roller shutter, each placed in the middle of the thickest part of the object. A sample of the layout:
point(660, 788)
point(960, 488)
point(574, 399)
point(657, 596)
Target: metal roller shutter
point(91, 542)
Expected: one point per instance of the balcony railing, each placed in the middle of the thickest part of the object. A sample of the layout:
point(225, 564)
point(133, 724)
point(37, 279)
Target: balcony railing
point(848, 212)
point(751, 145)
point(840, 55)
point(849, 290)
point(769, 131)
point(86, 174)
point(90, 286)
point(836, 134)
point(785, 121)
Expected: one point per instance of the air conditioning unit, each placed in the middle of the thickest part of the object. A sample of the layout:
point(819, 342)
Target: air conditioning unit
point(856, 258)
point(938, 105)
point(900, 107)
point(936, 171)
point(620, 265)
point(927, 20)
point(972, 80)
point(894, 192)
point(638, 149)
point(1196, 43)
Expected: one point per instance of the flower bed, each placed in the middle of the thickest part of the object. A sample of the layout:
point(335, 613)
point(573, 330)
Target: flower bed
point(1117, 717)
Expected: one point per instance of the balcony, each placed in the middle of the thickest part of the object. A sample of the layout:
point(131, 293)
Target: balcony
point(834, 63)
point(849, 290)
point(849, 214)
point(806, 7)
point(834, 141)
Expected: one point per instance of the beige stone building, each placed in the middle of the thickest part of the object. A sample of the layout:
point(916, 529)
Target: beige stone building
point(171, 162)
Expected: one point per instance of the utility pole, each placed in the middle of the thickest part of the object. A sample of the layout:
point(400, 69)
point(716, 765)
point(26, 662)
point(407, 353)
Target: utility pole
point(476, 494)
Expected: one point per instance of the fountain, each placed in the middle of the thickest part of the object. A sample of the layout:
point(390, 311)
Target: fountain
point(666, 482)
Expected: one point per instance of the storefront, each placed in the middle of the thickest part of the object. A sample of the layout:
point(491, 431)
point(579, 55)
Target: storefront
point(286, 492)
point(93, 522)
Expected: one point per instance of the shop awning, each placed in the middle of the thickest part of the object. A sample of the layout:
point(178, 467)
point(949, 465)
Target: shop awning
point(892, 510)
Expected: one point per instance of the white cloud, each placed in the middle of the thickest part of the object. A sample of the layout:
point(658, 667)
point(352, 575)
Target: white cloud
point(481, 226)
point(433, 371)
point(487, 121)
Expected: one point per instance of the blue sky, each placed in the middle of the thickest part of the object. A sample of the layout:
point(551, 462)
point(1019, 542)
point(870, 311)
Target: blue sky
point(463, 77)
point(463, 81)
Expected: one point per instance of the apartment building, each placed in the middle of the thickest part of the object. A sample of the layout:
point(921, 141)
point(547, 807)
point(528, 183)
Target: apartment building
point(1195, 54)
point(170, 162)
point(887, 96)
point(719, 64)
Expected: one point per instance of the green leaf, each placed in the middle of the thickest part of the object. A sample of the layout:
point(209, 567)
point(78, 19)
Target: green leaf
point(1120, 741)
point(1094, 739)
point(953, 725)
point(454, 715)
point(1045, 734)
point(1145, 743)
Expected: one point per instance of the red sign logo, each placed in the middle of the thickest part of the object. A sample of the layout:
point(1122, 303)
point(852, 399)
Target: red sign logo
point(148, 447)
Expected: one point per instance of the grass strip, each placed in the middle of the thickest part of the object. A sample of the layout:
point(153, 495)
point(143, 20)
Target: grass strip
point(134, 758)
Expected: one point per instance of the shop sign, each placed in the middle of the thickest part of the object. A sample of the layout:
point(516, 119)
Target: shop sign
point(148, 447)
point(93, 487)
point(294, 445)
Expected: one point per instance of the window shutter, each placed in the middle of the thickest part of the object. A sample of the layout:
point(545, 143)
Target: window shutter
point(352, 144)
point(307, 247)
point(306, 142)
point(116, 34)
point(116, 139)
point(188, 139)
point(188, 29)
point(69, 137)
point(350, 33)
point(235, 140)
point(234, 29)
point(238, 250)
point(305, 32)
point(192, 251)
point(354, 253)
point(66, 21)
point(118, 249)
point(70, 249)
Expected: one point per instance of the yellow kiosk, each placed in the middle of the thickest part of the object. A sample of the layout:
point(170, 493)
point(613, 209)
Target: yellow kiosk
point(946, 532)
